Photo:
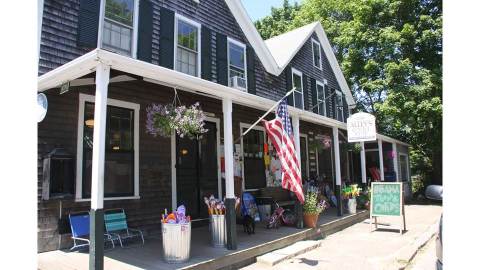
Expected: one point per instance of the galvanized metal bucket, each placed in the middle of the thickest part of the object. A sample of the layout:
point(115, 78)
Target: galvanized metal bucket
point(218, 230)
point(176, 242)
point(352, 206)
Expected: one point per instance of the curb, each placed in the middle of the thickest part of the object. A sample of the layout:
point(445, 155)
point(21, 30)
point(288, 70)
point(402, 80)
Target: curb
point(406, 254)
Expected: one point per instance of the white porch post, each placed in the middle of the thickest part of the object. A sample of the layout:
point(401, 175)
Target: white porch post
point(229, 180)
point(363, 164)
point(296, 137)
point(395, 161)
point(338, 173)
point(380, 156)
point(102, 77)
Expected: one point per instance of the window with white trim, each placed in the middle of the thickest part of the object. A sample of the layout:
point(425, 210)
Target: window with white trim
point(237, 64)
point(121, 148)
point(339, 105)
point(316, 54)
point(297, 82)
point(187, 36)
point(118, 26)
point(322, 108)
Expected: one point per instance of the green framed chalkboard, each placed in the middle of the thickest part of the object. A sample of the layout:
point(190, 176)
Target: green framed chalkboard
point(387, 200)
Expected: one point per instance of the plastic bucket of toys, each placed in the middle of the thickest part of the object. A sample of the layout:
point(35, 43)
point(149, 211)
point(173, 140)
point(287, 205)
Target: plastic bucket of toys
point(219, 230)
point(176, 236)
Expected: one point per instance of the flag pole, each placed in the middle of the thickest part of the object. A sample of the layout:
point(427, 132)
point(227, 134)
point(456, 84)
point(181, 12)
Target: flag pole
point(264, 115)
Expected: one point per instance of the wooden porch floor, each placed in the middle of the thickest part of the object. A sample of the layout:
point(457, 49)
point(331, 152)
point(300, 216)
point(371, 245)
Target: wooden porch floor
point(202, 254)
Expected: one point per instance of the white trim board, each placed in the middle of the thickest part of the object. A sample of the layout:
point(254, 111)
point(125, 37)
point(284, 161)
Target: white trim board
point(82, 99)
point(87, 63)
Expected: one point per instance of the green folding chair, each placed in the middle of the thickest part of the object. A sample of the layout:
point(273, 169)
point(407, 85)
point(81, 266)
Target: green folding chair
point(116, 226)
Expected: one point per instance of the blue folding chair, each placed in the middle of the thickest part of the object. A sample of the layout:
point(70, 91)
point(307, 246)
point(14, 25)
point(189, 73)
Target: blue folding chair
point(117, 228)
point(80, 226)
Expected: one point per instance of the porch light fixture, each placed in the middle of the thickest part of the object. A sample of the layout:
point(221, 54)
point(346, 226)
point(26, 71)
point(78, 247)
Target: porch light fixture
point(184, 152)
point(89, 123)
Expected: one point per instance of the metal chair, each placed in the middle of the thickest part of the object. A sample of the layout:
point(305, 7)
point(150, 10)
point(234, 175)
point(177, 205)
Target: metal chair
point(80, 226)
point(117, 228)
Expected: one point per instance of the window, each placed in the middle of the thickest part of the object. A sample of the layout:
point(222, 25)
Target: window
point(317, 54)
point(188, 46)
point(237, 64)
point(322, 108)
point(339, 105)
point(254, 164)
point(121, 149)
point(118, 26)
point(404, 167)
point(304, 156)
point(298, 93)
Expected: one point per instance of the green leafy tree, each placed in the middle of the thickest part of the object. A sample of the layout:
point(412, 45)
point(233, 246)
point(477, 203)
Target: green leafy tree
point(391, 54)
point(279, 20)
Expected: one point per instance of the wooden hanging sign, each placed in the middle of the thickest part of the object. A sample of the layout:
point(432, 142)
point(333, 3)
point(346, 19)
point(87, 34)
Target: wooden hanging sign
point(386, 199)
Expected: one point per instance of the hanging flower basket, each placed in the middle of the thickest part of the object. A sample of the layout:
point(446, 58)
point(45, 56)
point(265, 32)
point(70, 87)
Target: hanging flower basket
point(162, 120)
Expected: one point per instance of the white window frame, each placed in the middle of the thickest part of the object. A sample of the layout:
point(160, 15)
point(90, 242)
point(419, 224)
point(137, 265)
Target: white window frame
point(319, 54)
point(199, 42)
point(240, 44)
point(298, 73)
point(337, 94)
point(260, 128)
point(83, 98)
point(135, 27)
point(302, 135)
point(317, 83)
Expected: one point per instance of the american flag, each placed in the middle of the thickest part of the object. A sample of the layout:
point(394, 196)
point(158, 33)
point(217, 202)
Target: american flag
point(279, 131)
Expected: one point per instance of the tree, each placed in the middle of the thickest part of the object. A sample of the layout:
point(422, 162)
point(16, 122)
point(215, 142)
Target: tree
point(391, 54)
point(279, 20)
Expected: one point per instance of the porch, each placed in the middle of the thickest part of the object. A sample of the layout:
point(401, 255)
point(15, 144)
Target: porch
point(202, 254)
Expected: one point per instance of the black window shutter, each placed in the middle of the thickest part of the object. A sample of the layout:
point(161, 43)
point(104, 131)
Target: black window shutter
point(222, 65)
point(145, 31)
point(305, 92)
point(345, 108)
point(206, 53)
point(251, 70)
point(288, 79)
point(88, 19)
point(313, 92)
point(167, 31)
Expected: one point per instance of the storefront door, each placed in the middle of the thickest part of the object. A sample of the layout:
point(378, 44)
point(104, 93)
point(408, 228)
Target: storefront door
point(197, 171)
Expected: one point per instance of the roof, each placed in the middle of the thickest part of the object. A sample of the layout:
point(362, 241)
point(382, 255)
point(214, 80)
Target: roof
point(277, 52)
point(284, 47)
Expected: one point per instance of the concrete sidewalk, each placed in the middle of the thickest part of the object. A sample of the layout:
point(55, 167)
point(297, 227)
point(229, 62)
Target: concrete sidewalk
point(357, 247)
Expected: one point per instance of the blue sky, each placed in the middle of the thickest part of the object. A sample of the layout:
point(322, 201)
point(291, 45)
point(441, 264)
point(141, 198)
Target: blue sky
point(260, 8)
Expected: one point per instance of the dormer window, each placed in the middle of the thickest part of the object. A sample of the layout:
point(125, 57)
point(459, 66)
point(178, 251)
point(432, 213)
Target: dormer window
point(118, 26)
point(187, 35)
point(237, 64)
point(317, 54)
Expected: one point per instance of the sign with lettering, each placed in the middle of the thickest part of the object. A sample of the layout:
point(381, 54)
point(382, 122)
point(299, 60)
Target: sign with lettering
point(361, 127)
point(386, 199)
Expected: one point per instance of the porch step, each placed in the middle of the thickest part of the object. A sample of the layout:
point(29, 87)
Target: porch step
point(289, 252)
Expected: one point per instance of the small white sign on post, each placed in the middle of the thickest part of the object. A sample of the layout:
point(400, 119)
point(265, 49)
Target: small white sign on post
point(361, 127)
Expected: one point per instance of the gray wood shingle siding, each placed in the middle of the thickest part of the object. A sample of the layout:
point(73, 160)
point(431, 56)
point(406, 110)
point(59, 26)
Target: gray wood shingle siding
point(60, 35)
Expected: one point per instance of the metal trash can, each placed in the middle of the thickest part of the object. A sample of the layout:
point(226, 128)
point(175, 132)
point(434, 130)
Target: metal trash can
point(218, 229)
point(176, 242)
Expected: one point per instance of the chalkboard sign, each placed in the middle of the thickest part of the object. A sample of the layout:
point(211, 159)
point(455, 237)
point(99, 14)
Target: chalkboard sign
point(387, 200)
